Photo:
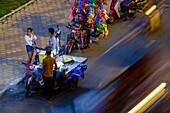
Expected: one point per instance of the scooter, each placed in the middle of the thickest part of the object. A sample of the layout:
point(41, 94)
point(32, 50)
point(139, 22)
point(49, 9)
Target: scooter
point(126, 10)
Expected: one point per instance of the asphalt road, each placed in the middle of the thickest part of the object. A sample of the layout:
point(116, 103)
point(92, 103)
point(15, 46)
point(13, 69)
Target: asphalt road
point(14, 101)
point(127, 99)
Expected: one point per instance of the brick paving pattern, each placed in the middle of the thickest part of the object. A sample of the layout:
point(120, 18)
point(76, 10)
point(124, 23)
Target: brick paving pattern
point(40, 15)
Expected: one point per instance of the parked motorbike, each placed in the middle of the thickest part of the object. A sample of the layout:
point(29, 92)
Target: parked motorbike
point(33, 73)
point(78, 38)
point(71, 42)
point(141, 3)
point(62, 48)
point(126, 10)
point(61, 79)
point(58, 32)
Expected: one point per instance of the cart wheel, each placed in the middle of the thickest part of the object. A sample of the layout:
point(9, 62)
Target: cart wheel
point(74, 83)
point(28, 86)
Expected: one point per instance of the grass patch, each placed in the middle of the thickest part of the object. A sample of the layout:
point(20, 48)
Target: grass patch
point(7, 5)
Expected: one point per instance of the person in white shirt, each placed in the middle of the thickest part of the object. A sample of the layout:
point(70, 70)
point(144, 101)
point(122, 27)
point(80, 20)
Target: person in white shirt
point(53, 42)
point(29, 39)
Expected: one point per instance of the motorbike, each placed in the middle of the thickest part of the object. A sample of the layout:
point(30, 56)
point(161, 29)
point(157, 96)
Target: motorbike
point(33, 73)
point(58, 32)
point(62, 49)
point(78, 38)
point(126, 10)
point(71, 42)
point(61, 79)
point(141, 3)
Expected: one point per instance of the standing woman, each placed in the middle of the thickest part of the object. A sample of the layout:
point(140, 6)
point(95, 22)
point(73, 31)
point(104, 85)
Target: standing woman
point(29, 42)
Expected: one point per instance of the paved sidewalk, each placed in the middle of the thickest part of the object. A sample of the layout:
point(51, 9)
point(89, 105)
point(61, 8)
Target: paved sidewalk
point(40, 15)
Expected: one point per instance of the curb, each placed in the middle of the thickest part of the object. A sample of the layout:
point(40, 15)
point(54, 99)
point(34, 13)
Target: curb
point(18, 9)
point(11, 84)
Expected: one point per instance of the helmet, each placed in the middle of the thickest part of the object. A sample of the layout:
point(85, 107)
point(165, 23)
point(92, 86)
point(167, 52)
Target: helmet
point(73, 31)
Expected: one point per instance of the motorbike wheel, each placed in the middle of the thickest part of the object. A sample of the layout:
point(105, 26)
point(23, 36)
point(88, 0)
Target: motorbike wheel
point(73, 84)
point(111, 19)
point(28, 86)
point(132, 14)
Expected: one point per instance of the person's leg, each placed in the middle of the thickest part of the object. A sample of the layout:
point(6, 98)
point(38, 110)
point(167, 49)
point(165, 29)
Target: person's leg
point(50, 87)
point(30, 52)
point(30, 55)
point(45, 88)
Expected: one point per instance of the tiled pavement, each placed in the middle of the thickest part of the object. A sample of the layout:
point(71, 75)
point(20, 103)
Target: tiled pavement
point(40, 15)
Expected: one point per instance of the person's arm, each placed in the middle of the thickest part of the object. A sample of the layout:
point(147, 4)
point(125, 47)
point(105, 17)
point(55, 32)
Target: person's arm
point(55, 63)
point(53, 41)
point(43, 68)
point(27, 40)
point(34, 37)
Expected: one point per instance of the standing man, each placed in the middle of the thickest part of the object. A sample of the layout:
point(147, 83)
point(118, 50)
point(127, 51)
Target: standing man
point(47, 74)
point(52, 41)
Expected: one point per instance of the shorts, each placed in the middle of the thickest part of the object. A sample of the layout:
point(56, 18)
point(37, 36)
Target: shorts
point(29, 48)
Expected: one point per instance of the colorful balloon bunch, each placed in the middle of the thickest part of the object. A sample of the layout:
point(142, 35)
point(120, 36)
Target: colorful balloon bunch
point(90, 12)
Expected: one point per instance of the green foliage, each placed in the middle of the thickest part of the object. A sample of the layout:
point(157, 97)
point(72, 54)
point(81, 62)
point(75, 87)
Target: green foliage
point(7, 5)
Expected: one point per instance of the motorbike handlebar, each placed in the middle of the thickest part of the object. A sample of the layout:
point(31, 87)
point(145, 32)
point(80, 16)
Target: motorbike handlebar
point(39, 48)
point(24, 63)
